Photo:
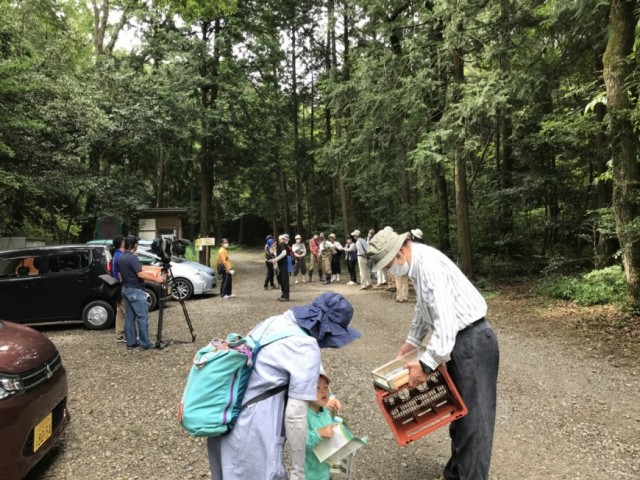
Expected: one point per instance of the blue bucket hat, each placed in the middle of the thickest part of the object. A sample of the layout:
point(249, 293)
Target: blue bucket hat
point(327, 320)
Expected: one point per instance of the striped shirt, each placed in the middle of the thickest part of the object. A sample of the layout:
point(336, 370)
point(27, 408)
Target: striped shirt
point(447, 302)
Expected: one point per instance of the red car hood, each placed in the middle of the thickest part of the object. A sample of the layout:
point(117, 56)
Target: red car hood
point(22, 348)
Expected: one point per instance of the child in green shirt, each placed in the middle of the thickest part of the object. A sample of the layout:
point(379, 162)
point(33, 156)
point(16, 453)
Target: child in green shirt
point(319, 426)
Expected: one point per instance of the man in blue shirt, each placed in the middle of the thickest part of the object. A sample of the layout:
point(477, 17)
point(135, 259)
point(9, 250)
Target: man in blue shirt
point(118, 244)
point(133, 293)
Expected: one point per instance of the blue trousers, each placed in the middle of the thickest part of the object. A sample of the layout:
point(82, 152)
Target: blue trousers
point(136, 314)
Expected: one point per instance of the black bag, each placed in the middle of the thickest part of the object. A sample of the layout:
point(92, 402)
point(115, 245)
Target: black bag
point(221, 268)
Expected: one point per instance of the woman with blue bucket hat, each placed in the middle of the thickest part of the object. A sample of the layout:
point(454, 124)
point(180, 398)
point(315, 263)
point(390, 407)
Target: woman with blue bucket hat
point(289, 367)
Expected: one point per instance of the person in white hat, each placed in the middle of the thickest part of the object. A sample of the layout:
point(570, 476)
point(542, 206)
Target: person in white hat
point(351, 255)
point(452, 310)
point(363, 261)
point(335, 258)
point(326, 253)
point(299, 252)
point(416, 235)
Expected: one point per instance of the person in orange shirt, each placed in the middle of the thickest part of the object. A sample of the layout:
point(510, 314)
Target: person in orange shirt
point(223, 266)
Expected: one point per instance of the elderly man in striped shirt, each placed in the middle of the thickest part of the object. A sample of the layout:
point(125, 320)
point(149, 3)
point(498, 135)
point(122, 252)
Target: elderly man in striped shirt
point(451, 309)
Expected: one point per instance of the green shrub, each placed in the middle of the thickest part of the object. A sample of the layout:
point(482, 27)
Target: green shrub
point(594, 288)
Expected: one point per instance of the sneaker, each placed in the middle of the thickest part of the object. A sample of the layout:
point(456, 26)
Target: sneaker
point(233, 295)
point(120, 338)
point(282, 299)
point(351, 283)
point(296, 281)
point(226, 297)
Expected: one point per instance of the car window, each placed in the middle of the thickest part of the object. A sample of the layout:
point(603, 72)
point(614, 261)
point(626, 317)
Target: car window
point(145, 259)
point(68, 261)
point(21, 266)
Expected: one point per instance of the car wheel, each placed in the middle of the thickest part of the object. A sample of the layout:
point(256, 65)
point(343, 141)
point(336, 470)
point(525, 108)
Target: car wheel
point(152, 298)
point(181, 289)
point(98, 315)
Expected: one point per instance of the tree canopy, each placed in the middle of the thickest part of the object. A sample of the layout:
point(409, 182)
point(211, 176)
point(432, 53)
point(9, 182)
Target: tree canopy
point(501, 128)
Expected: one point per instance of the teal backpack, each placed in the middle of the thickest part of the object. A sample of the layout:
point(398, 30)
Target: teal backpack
point(212, 398)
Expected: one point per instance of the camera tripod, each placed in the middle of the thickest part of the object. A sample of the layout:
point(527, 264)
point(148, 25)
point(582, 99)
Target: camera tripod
point(160, 344)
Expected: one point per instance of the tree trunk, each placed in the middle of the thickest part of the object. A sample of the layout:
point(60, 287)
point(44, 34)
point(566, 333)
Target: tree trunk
point(209, 95)
point(626, 174)
point(607, 244)
point(297, 157)
point(444, 241)
point(161, 176)
point(505, 129)
point(460, 177)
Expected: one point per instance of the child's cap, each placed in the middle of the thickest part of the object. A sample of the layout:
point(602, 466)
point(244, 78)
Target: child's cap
point(324, 375)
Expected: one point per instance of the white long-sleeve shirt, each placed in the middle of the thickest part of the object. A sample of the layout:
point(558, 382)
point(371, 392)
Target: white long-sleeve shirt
point(447, 302)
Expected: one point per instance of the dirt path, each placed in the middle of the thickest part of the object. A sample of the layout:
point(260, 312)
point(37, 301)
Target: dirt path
point(565, 410)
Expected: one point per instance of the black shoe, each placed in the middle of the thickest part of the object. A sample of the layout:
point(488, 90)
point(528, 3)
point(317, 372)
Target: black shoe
point(282, 299)
point(135, 345)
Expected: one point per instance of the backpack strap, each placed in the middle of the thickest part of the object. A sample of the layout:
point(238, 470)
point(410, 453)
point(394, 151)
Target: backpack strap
point(259, 344)
point(264, 395)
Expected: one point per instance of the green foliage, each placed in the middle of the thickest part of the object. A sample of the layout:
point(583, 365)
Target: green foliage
point(594, 288)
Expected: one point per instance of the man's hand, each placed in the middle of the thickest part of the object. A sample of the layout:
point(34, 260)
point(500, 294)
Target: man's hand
point(416, 375)
point(404, 349)
point(326, 432)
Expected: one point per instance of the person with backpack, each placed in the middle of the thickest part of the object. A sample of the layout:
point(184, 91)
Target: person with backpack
point(269, 255)
point(282, 382)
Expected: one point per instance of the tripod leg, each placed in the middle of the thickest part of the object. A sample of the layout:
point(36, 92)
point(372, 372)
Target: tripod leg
point(160, 318)
point(186, 317)
point(184, 310)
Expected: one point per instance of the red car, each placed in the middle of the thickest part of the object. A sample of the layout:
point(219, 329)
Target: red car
point(33, 398)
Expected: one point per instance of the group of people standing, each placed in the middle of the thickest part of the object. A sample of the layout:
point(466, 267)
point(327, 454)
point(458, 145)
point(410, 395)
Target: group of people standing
point(283, 259)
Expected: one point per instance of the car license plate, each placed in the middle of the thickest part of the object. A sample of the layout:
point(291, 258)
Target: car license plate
point(42, 432)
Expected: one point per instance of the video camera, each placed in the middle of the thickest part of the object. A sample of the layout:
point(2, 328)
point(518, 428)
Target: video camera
point(164, 248)
point(161, 246)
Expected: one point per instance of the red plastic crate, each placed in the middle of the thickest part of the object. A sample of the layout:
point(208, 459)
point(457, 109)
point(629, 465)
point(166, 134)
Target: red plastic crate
point(414, 412)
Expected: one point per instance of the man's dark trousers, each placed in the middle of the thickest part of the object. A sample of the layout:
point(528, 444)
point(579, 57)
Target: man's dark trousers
point(474, 370)
point(284, 278)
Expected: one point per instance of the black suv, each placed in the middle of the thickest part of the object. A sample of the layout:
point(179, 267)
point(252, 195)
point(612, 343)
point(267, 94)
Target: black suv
point(48, 284)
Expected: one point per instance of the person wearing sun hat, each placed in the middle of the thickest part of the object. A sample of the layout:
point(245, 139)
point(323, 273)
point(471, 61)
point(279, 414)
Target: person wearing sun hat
point(285, 377)
point(450, 308)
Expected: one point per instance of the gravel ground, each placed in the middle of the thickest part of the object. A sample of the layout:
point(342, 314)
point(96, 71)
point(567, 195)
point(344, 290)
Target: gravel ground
point(566, 409)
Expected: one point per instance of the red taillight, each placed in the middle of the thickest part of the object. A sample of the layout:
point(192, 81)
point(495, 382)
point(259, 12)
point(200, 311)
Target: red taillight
point(109, 266)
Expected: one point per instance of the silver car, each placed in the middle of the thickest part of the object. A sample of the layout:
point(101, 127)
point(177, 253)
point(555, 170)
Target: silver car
point(189, 278)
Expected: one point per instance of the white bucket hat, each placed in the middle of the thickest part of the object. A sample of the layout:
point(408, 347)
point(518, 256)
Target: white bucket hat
point(383, 248)
point(416, 232)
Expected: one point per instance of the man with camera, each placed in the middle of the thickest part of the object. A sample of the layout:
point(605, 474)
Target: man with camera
point(136, 311)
